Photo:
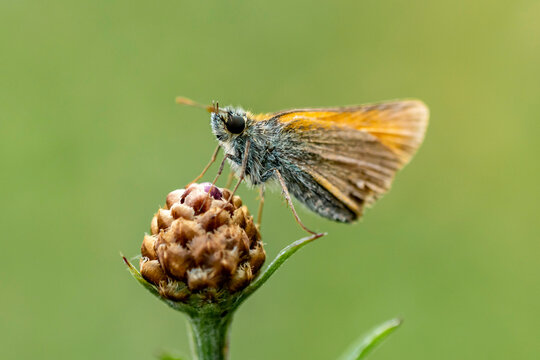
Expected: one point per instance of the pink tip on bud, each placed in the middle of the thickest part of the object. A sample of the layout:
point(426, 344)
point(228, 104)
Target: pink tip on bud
point(212, 190)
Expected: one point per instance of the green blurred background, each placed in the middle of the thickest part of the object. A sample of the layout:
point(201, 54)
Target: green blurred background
point(91, 142)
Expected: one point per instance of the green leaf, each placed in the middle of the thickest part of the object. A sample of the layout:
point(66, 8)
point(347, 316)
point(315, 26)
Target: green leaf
point(368, 342)
point(283, 255)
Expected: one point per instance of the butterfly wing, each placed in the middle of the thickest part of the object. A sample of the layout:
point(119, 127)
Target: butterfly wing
point(355, 152)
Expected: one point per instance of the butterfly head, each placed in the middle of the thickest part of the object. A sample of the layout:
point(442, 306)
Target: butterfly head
point(228, 123)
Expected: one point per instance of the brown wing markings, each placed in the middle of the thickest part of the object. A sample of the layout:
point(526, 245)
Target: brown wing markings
point(343, 159)
point(372, 158)
point(354, 185)
point(354, 192)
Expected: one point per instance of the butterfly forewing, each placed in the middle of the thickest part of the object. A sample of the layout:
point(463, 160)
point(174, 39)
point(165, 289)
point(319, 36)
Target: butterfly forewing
point(354, 152)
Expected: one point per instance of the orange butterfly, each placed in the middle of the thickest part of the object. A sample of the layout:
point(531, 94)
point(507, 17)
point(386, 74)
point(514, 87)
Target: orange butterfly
point(333, 160)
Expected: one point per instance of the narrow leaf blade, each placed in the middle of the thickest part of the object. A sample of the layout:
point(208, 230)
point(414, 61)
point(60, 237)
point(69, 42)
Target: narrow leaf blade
point(368, 342)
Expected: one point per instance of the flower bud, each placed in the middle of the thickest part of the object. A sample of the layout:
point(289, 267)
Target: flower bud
point(201, 244)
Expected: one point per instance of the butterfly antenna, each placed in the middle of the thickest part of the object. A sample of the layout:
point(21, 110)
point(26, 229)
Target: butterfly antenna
point(185, 101)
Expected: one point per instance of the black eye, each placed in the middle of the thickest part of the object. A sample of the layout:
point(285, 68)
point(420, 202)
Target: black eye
point(235, 124)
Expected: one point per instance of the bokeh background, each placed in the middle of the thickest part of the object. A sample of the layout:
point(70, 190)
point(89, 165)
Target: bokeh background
point(91, 142)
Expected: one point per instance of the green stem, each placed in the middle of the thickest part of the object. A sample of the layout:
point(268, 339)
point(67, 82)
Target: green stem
point(210, 335)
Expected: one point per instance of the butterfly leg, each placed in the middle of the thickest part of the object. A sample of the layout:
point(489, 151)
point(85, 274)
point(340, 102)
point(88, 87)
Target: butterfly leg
point(289, 201)
point(220, 170)
point(261, 205)
point(242, 169)
point(214, 156)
